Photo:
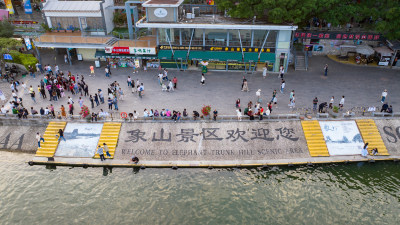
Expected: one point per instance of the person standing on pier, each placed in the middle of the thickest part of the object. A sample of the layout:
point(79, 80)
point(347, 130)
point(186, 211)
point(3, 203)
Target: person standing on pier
point(100, 151)
point(106, 149)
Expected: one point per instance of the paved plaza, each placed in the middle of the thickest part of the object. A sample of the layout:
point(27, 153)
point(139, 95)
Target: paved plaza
point(362, 86)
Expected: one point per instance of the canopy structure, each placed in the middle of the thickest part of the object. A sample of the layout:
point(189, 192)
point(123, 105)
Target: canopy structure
point(384, 51)
point(344, 49)
point(365, 50)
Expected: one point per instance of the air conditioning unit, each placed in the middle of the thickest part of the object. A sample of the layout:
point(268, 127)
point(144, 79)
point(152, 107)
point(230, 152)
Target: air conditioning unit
point(196, 11)
point(189, 16)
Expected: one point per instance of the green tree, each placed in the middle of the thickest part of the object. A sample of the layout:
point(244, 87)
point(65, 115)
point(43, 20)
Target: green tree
point(6, 29)
point(8, 43)
point(376, 15)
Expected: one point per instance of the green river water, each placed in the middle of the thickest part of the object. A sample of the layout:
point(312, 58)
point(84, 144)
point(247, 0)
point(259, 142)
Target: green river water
point(359, 193)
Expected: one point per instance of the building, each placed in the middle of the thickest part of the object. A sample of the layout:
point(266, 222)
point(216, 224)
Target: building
point(191, 35)
point(81, 30)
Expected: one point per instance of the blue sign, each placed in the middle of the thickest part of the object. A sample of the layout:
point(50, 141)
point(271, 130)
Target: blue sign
point(28, 43)
point(28, 6)
point(7, 57)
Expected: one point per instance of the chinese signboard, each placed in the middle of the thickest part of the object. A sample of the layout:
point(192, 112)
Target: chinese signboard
point(339, 36)
point(131, 50)
point(219, 49)
point(212, 141)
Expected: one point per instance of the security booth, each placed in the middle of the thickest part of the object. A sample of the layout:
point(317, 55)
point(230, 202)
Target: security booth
point(384, 54)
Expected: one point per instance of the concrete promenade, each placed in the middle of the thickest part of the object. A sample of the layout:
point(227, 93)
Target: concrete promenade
point(361, 85)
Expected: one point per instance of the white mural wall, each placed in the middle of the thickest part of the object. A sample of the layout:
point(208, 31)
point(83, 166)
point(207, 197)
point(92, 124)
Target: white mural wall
point(81, 140)
point(342, 137)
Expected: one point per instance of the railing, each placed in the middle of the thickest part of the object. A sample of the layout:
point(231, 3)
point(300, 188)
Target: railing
point(206, 9)
point(295, 56)
point(117, 117)
point(48, 38)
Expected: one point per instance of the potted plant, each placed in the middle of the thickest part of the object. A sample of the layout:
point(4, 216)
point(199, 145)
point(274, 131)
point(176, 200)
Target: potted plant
point(85, 112)
point(335, 111)
point(206, 111)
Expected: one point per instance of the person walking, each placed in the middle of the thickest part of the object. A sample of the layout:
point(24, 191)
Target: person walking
point(107, 71)
point(315, 103)
point(265, 71)
point(129, 81)
point(293, 101)
point(61, 135)
point(273, 95)
point(383, 96)
point(175, 81)
point(39, 138)
point(203, 79)
point(115, 102)
point(100, 151)
point(33, 97)
point(80, 101)
point(326, 69)
point(91, 101)
point(331, 102)
point(258, 95)
point(238, 103)
point(106, 150)
point(341, 103)
point(291, 96)
point(63, 113)
point(282, 85)
point(110, 103)
point(245, 86)
point(71, 109)
point(91, 71)
point(281, 72)
point(96, 99)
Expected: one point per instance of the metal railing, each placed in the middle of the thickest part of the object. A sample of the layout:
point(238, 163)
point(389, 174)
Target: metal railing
point(71, 39)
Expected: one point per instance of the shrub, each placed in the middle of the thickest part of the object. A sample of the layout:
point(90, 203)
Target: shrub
point(335, 109)
point(24, 59)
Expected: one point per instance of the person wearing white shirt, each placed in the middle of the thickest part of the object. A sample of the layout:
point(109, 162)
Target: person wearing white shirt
point(341, 103)
point(283, 85)
point(145, 113)
point(384, 94)
point(3, 109)
point(135, 115)
point(171, 86)
point(331, 102)
point(239, 114)
point(46, 111)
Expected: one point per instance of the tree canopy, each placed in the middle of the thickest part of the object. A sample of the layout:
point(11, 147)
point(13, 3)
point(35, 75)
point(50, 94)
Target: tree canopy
point(6, 29)
point(378, 15)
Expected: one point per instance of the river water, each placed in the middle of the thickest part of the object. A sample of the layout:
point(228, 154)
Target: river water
point(359, 193)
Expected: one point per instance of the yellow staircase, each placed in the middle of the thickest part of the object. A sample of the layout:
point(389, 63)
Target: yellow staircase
point(314, 137)
point(49, 147)
point(370, 134)
point(109, 135)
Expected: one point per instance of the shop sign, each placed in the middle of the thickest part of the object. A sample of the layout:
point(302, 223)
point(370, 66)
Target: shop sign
point(217, 49)
point(167, 47)
point(120, 50)
point(142, 51)
point(339, 36)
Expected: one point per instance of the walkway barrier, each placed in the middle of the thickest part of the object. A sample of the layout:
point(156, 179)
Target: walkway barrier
point(383, 114)
point(113, 117)
point(323, 115)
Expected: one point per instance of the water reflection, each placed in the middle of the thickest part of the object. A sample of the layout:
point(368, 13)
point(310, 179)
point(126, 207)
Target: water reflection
point(323, 194)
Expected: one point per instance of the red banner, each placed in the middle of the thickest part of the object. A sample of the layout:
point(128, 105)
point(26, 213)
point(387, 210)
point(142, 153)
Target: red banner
point(120, 50)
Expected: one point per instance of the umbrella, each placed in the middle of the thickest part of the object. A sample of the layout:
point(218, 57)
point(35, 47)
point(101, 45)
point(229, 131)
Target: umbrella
point(365, 50)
